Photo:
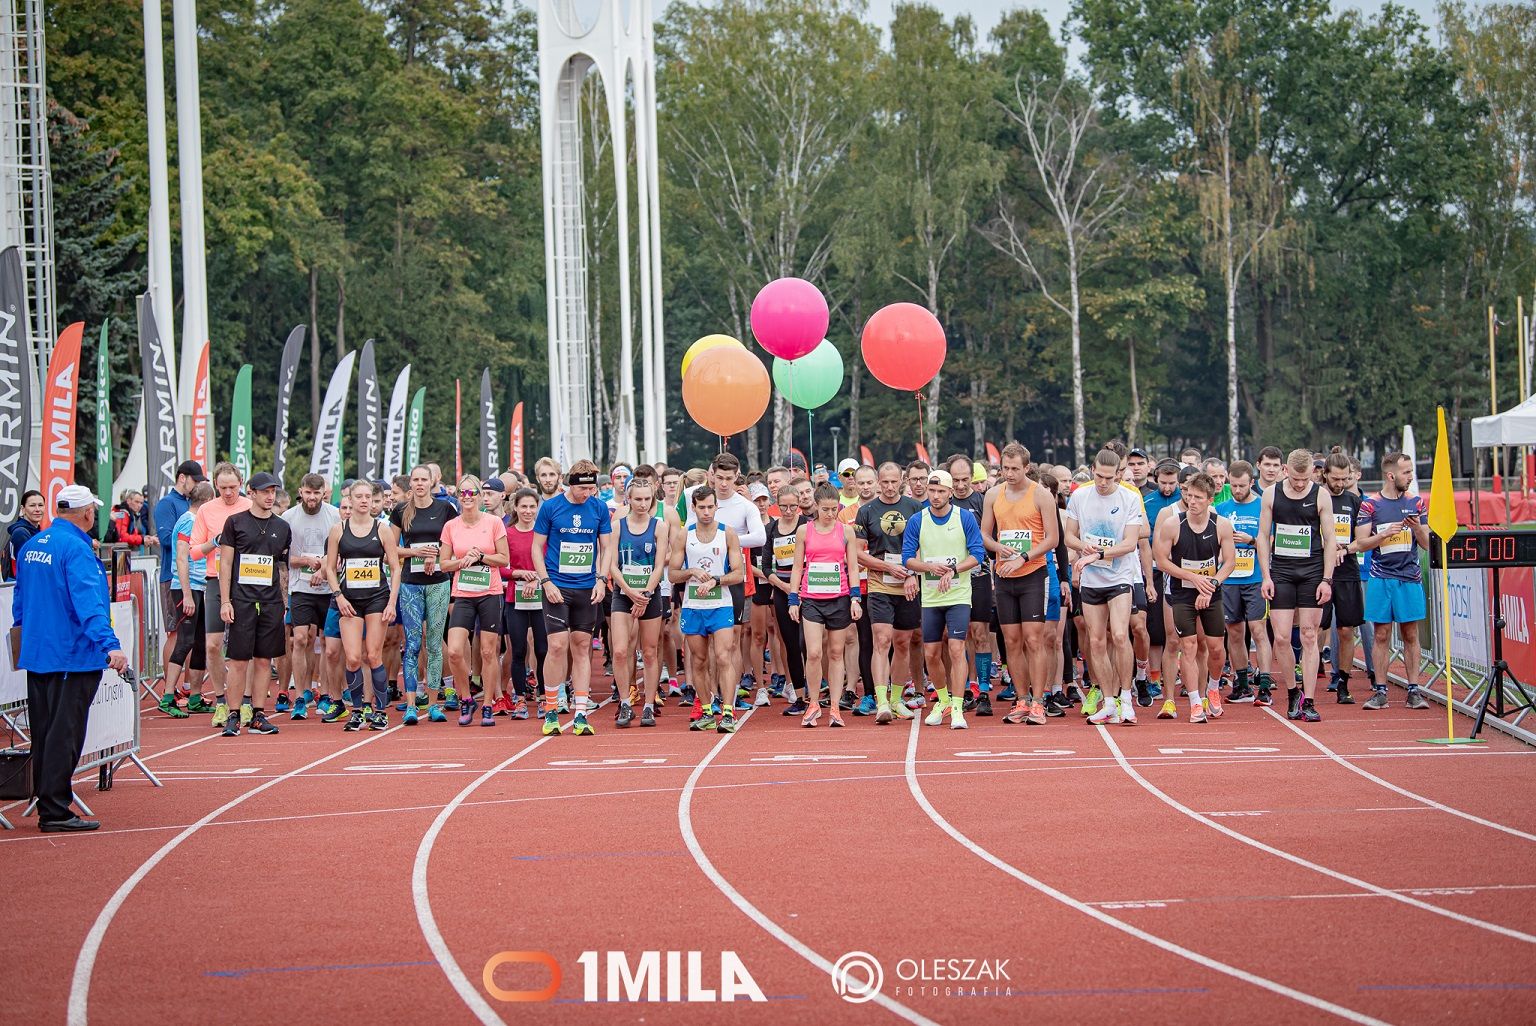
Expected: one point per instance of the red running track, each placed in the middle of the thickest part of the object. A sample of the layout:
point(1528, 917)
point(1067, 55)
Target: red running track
point(1249, 867)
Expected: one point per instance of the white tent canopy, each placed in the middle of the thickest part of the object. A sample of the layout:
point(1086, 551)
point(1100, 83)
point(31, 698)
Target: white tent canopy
point(1515, 426)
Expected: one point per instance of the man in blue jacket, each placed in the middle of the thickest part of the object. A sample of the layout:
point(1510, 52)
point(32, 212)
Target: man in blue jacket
point(62, 606)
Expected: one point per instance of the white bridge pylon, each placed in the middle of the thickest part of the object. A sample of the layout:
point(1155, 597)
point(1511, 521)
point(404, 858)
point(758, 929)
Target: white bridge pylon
point(616, 40)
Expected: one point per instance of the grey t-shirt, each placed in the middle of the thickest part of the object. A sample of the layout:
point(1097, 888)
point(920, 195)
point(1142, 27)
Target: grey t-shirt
point(309, 537)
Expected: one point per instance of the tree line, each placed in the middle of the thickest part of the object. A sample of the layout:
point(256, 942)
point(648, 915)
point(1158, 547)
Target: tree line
point(1225, 222)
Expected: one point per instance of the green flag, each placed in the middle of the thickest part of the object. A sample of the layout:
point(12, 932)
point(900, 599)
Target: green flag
point(413, 429)
point(103, 433)
point(240, 424)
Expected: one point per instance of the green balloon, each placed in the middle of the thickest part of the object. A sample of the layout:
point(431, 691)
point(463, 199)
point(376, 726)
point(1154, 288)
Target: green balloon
point(817, 376)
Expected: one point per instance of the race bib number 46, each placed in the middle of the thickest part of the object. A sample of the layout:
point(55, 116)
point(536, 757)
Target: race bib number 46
point(1293, 540)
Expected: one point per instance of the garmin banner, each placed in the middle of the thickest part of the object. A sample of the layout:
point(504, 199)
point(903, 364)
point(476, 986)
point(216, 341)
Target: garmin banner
point(490, 458)
point(16, 382)
point(161, 441)
point(369, 438)
point(326, 459)
point(394, 425)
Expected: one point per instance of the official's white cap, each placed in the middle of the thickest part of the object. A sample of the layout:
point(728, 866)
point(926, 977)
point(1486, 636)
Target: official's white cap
point(76, 497)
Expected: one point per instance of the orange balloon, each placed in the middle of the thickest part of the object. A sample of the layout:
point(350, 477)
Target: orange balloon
point(726, 390)
point(705, 344)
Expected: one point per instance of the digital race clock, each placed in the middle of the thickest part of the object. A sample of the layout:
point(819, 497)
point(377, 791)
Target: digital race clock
point(1497, 549)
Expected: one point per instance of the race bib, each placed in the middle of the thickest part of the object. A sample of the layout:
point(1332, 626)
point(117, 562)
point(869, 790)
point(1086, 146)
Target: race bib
point(361, 573)
point(475, 579)
point(953, 562)
point(1342, 523)
point(698, 594)
point(784, 550)
point(1293, 540)
point(576, 557)
point(894, 559)
point(1019, 541)
point(418, 564)
point(635, 575)
point(1245, 562)
point(1203, 567)
point(824, 576)
point(1402, 541)
point(1099, 541)
point(255, 570)
point(526, 599)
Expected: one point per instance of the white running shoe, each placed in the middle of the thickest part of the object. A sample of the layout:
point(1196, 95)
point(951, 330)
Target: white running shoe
point(563, 704)
point(957, 721)
point(1108, 712)
point(762, 697)
point(936, 717)
point(1127, 709)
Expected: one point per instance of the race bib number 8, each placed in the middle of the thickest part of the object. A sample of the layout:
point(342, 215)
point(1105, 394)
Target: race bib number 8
point(255, 570)
point(824, 576)
point(575, 557)
point(1293, 540)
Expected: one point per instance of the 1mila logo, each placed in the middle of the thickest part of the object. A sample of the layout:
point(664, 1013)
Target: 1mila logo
point(610, 976)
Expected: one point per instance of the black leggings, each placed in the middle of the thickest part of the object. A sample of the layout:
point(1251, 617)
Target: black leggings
point(515, 625)
point(789, 632)
point(866, 652)
point(190, 637)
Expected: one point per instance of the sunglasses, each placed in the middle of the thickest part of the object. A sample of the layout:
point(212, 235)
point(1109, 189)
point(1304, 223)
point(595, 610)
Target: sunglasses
point(469, 491)
point(846, 473)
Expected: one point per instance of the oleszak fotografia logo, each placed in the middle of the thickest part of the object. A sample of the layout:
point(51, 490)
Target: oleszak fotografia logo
point(620, 976)
point(858, 977)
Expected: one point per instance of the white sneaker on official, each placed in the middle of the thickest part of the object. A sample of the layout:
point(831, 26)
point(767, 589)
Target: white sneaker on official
point(1127, 708)
point(762, 697)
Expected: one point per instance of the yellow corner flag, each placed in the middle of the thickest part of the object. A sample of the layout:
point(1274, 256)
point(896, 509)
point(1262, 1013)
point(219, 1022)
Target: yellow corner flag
point(1442, 490)
point(1442, 521)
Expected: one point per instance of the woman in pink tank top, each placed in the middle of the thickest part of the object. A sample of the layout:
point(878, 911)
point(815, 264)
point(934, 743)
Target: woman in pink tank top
point(825, 602)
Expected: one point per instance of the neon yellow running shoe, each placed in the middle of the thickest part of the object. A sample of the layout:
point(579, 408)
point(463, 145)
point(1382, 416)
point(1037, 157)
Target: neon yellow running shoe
point(220, 715)
point(551, 724)
point(246, 712)
point(1169, 711)
point(581, 728)
point(1092, 700)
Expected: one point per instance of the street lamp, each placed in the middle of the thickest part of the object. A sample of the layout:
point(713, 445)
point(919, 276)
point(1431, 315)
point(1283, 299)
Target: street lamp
point(836, 452)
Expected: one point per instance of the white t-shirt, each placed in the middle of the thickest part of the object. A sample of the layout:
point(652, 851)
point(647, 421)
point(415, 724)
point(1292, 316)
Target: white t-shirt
point(309, 537)
point(1103, 520)
point(740, 514)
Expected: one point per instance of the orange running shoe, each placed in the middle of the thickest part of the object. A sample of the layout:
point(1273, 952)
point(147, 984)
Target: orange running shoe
point(1213, 702)
point(1036, 717)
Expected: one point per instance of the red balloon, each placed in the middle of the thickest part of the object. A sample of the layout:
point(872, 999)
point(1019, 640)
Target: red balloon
point(903, 346)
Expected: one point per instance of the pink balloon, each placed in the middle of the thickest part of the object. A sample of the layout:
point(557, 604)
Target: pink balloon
point(789, 317)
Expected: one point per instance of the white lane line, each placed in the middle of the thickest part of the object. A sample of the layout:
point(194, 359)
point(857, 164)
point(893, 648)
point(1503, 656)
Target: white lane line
point(428, 923)
point(1224, 899)
point(85, 963)
point(1353, 881)
point(88, 774)
point(1336, 757)
point(751, 911)
point(1310, 1000)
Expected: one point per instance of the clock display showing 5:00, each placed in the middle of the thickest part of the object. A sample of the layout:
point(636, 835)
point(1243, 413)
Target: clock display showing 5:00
point(1487, 549)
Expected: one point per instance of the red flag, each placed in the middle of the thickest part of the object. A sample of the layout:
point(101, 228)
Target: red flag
point(515, 443)
point(458, 413)
point(199, 454)
point(869, 457)
point(992, 454)
point(922, 452)
point(59, 395)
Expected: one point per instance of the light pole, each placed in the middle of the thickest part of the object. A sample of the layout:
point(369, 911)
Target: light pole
point(837, 456)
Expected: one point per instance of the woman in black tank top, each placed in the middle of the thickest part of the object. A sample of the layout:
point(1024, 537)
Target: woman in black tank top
point(363, 566)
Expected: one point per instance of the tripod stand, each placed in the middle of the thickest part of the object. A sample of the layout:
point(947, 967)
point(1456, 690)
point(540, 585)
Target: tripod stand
point(1498, 672)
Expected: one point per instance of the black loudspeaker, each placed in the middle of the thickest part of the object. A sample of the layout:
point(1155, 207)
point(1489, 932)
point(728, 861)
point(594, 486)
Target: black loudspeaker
point(1464, 452)
point(15, 773)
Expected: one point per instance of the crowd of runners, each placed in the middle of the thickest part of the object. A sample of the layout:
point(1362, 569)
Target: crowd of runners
point(887, 592)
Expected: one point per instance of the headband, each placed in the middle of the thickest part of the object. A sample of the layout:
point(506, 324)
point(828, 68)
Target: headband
point(588, 478)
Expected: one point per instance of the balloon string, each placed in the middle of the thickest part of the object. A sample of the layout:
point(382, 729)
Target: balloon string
point(918, 395)
point(810, 440)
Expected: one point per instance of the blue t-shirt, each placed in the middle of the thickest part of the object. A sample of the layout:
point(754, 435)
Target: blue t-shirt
point(1245, 520)
point(571, 534)
point(197, 569)
point(1398, 557)
point(1155, 502)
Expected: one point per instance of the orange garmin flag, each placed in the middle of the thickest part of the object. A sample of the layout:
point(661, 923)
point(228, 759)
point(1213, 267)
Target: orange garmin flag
point(1442, 490)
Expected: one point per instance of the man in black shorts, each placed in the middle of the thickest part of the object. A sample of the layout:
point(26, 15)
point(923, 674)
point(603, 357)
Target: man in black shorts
point(1346, 607)
point(979, 634)
point(252, 547)
point(1195, 549)
point(1296, 554)
point(894, 619)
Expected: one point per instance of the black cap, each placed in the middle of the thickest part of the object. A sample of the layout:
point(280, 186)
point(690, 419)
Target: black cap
point(1138, 452)
point(492, 484)
point(1168, 465)
point(192, 469)
point(262, 481)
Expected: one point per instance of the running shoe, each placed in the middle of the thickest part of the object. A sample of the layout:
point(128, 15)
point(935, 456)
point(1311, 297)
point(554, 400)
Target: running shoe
point(551, 724)
point(1213, 702)
point(1378, 699)
point(811, 716)
point(1056, 704)
point(410, 716)
point(705, 722)
point(1333, 682)
point(246, 712)
point(984, 704)
point(795, 708)
point(282, 704)
point(354, 720)
point(487, 716)
point(1342, 696)
point(727, 725)
point(449, 698)
point(324, 705)
point(394, 692)
point(520, 710)
point(1008, 694)
point(763, 697)
point(746, 684)
point(581, 728)
point(776, 685)
point(1292, 703)
point(846, 702)
point(435, 714)
point(626, 715)
point(1143, 692)
point(883, 712)
point(300, 708)
point(260, 724)
point(957, 721)
point(901, 712)
point(168, 706)
point(936, 717)
point(1155, 690)
point(422, 701)
point(1018, 714)
point(467, 711)
point(1092, 702)
point(1169, 711)
point(1074, 695)
point(1242, 693)
point(232, 726)
point(685, 698)
point(563, 703)
point(867, 706)
point(834, 720)
point(1197, 712)
point(1036, 717)
point(377, 720)
point(1264, 697)
point(220, 714)
point(1416, 699)
point(197, 704)
point(743, 702)
point(1127, 704)
point(648, 716)
point(1107, 712)
point(1308, 712)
